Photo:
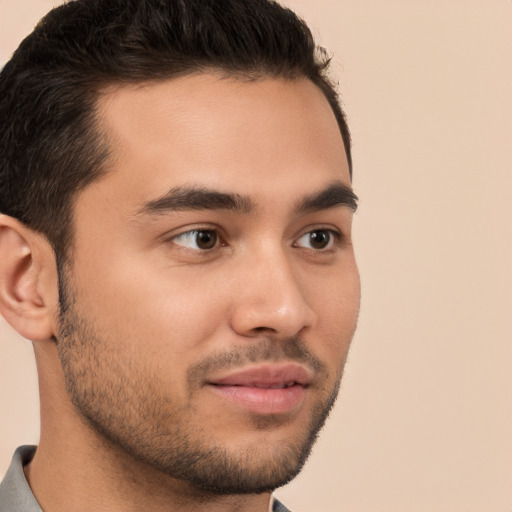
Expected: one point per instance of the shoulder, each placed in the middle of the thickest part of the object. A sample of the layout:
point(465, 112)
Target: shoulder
point(277, 506)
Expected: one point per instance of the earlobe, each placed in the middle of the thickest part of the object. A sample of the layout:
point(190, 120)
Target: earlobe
point(28, 281)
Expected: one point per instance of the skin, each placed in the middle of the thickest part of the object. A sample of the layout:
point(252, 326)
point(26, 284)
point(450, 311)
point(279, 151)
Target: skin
point(152, 317)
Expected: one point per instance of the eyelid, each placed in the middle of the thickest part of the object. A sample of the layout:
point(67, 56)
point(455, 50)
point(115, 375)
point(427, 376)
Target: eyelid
point(335, 233)
point(170, 237)
point(335, 230)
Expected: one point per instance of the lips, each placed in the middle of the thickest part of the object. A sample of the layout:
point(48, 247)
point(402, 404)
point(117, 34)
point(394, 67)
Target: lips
point(266, 377)
point(268, 389)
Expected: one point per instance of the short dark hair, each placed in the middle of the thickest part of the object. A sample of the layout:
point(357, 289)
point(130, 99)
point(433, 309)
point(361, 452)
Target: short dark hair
point(50, 143)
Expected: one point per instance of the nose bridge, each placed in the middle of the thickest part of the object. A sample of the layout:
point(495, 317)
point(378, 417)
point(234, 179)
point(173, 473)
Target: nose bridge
point(272, 298)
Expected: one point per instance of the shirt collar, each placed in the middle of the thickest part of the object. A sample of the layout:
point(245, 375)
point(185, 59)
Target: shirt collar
point(15, 493)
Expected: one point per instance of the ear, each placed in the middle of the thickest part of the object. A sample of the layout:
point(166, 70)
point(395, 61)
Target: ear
point(28, 281)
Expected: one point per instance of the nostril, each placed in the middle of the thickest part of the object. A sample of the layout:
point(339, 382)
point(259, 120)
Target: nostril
point(264, 329)
point(283, 313)
point(258, 331)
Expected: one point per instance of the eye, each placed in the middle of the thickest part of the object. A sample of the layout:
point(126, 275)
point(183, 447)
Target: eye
point(197, 239)
point(319, 239)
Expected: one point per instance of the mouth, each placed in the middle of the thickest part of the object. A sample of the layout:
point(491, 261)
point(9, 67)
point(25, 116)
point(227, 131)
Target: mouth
point(266, 390)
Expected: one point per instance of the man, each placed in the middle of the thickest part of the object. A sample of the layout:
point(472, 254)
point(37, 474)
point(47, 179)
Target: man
point(175, 241)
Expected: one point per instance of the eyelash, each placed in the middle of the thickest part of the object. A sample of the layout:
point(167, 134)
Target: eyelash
point(335, 239)
point(195, 232)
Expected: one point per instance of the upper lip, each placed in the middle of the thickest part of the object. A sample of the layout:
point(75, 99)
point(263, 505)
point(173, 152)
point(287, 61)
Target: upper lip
point(266, 376)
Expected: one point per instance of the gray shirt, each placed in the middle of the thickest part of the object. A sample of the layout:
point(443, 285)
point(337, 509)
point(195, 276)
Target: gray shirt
point(15, 493)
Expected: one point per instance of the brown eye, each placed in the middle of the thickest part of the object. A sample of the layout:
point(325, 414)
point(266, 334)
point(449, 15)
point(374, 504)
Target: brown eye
point(206, 239)
point(319, 239)
point(197, 239)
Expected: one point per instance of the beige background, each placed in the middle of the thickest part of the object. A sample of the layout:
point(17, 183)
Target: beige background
point(424, 421)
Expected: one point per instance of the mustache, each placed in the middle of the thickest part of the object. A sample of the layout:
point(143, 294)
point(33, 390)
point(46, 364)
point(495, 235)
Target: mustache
point(261, 351)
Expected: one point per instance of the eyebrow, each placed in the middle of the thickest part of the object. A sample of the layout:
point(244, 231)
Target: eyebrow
point(201, 198)
point(196, 198)
point(336, 194)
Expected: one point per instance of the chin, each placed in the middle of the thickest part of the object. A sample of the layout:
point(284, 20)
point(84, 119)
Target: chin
point(251, 472)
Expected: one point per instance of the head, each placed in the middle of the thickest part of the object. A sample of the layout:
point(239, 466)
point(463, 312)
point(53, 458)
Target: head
point(188, 165)
point(51, 144)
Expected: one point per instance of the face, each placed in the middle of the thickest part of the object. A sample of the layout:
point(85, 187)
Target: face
point(212, 291)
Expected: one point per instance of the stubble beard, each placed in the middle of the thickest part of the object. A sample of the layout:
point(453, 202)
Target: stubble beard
point(124, 404)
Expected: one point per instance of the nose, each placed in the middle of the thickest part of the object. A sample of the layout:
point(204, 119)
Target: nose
point(270, 299)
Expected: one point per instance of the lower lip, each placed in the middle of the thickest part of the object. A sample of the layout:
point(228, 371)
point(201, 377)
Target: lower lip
point(263, 400)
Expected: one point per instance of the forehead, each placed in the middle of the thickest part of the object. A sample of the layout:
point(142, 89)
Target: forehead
point(221, 133)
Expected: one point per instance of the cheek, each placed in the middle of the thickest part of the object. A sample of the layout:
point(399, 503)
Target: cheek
point(153, 309)
point(336, 303)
